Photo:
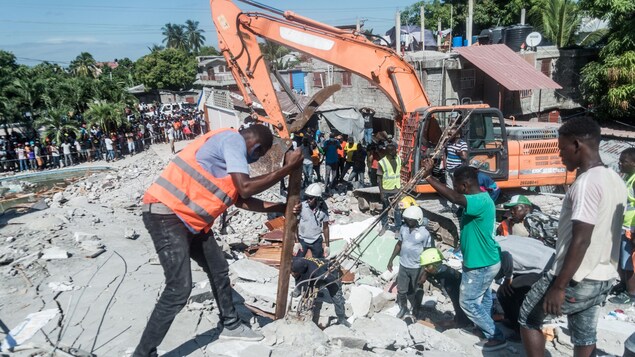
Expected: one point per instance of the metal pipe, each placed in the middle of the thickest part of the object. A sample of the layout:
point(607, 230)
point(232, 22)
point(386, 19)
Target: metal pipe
point(263, 6)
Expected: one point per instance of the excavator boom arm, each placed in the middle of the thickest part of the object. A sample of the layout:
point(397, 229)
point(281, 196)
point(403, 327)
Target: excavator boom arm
point(237, 36)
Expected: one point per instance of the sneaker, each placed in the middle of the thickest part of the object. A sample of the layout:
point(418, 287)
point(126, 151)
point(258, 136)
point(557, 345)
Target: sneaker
point(623, 299)
point(242, 332)
point(491, 345)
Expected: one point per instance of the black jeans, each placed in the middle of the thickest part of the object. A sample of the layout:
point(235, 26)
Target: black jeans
point(316, 248)
point(175, 245)
point(521, 284)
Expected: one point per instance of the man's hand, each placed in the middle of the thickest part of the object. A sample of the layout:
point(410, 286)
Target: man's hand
point(389, 266)
point(297, 208)
point(293, 158)
point(554, 299)
point(506, 288)
point(428, 165)
point(422, 279)
point(327, 250)
point(297, 247)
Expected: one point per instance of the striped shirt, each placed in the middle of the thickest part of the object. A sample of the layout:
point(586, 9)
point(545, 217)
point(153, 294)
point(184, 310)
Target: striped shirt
point(453, 154)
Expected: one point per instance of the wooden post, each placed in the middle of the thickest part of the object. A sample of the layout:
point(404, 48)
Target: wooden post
point(290, 229)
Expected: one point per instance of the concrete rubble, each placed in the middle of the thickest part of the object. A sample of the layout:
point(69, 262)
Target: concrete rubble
point(89, 259)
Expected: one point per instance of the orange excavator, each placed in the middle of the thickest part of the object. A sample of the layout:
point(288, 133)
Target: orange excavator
point(514, 157)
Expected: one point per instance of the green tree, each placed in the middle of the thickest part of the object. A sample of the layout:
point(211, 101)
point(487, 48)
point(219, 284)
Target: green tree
point(558, 20)
point(174, 36)
point(168, 69)
point(195, 38)
point(273, 53)
point(608, 84)
point(84, 65)
point(208, 51)
point(57, 123)
point(107, 116)
point(9, 112)
point(155, 48)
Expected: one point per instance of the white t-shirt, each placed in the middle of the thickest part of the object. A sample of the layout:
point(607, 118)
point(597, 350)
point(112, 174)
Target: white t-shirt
point(66, 148)
point(108, 143)
point(598, 197)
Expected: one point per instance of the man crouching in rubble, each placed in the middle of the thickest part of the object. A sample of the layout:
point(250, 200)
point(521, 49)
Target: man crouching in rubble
point(199, 184)
point(313, 273)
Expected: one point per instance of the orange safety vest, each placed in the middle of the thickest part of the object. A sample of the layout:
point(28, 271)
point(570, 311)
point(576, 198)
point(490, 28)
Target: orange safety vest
point(193, 193)
point(504, 227)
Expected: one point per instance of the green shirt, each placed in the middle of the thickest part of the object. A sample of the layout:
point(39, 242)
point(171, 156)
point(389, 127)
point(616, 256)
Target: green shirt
point(478, 246)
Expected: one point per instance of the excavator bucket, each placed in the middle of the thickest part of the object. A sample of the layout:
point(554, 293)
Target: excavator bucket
point(274, 157)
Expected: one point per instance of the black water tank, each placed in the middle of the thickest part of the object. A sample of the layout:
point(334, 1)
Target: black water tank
point(496, 35)
point(514, 36)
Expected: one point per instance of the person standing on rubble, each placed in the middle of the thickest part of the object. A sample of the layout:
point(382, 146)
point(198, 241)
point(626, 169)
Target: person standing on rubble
point(481, 253)
point(313, 225)
point(587, 249)
point(627, 278)
point(314, 273)
point(454, 156)
point(206, 178)
point(389, 177)
point(414, 238)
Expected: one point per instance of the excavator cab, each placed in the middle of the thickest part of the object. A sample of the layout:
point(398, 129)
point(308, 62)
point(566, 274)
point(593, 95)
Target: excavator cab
point(484, 134)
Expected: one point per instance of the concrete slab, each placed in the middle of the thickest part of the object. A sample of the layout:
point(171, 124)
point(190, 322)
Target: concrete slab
point(251, 270)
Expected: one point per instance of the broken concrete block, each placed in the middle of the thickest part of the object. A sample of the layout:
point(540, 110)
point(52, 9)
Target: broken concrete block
point(59, 198)
point(81, 237)
point(262, 296)
point(255, 350)
point(296, 333)
point(345, 337)
point(383, 331)
point(54, 253)
point(251, 270)
point(382, 301)
point(130, 234)
point(360, 300)
point(431, 339)
point(61, 286)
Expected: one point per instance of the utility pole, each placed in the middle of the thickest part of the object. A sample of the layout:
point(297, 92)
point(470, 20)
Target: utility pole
point(358, 26)
point(398, 32)
point(439, 33)
point(470, 19)
point(522, 16)
point(423, 29)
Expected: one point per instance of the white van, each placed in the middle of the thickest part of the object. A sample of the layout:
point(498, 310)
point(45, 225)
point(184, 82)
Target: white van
point(169, 108)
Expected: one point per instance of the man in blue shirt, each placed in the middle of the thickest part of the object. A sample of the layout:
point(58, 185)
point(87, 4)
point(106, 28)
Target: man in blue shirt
point(331, 160)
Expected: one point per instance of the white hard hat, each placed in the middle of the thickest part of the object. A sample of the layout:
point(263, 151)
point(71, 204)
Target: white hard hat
point(415, 213)
point(314, 190)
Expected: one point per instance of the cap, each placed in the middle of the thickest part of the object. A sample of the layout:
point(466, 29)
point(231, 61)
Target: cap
point(476, 164)
point(518, 200)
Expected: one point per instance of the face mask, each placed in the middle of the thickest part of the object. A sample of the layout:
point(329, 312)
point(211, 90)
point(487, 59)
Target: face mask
point(252, 156)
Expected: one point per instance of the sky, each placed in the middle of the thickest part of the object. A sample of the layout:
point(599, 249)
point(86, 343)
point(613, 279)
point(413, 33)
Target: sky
point(58, 30)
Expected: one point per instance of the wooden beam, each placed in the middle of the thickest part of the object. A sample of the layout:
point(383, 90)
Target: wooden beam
point(290, 230)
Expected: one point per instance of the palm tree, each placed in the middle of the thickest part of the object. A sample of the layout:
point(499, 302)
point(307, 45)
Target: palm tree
point(194, 36)
point(155, 48)
point(273, 53)
point(174, 36)
point(559, 19)
point(108, 116)
point(84, 65)
point(56, 123)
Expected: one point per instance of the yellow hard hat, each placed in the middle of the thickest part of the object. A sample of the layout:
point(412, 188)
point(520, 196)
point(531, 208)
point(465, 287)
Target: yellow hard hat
point(431, 256)
point(406, 202)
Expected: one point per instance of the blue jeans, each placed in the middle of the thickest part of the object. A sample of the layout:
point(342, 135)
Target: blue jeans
point(111, 155)
point(23, 165)
point(317, 251)
point(581, 305)
point(476, 299)
point(368, 135)
point(307, 169)
point(397, 212)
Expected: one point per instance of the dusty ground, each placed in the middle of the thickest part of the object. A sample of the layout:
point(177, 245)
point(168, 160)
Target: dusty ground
point(105, 301)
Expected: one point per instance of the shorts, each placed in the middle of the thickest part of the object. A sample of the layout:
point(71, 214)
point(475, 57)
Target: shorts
point(626, 253)
point(581, 305)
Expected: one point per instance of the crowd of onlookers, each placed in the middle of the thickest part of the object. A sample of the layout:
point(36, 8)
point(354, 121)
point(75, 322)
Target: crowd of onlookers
point(19, 153)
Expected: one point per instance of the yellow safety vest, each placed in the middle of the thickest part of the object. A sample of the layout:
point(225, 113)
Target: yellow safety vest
point(629, 214)
point(391, 179)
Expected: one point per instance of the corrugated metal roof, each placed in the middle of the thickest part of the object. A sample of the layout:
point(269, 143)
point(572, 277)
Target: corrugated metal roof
point(506, 67)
